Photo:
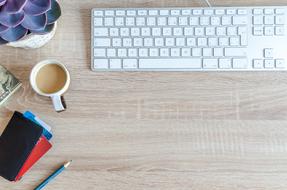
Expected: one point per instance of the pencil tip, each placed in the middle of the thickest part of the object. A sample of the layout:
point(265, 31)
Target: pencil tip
point(67, 164)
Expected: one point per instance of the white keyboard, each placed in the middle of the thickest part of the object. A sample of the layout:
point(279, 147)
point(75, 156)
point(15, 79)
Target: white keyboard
point(190, 39)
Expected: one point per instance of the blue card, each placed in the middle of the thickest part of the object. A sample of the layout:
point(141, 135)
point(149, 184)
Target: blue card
point(46, 128)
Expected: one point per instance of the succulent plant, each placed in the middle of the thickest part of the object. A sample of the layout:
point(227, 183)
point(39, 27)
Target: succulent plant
point(19, 18)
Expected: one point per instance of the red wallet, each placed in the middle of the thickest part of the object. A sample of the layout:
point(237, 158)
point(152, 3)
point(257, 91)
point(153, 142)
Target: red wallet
point(42, 146)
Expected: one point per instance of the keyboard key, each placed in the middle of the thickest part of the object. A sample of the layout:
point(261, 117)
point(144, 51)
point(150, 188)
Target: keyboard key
point(135, 31)
point(234, 41)
point(199, 31)
point(268, 11)
point(164, 52)
point(98, 21)
point(239, 63)
point(280, 63)
point(179, 42)
point(156, 31)
point(197, 12)
point(258, 20)
point(188, 31)
point(175, 12)
point(279, 31)
point(190, 63)
point(100, 32)
point(207, 52)
point(223, 42)
point(225, 63)
point(130, 64)
point(145, 31)
point(269, 63)
point(231, 11)
point(226, 20)
point(269, 30)
point(99, 52)
point(186, 12)
point(183, 21)
point(212, 42)
point(142, 12)
point(120, 13)
point(204, 21)
point(111, 52)
point(132, 52)
point(131, 13)
point(119, 21)
point(235, 52)
point(269, 20)
point(242, 11)
point(101, 64)
point(191, 42)
point(115, 64)
point(186, 52)
point(153, 52)
point(210, 31)
point(268, 53)
point(166, 31)
point(194, 21)
point(164, 12)
point(257, 11)
point(280, 20)
point(109, 22)
point(215, 21)
point(140, 21)
point(109, 13)
point(219, 11)
point(279, 11)
point(258, 31)
point(98, 13)
point(130, 21)
point(143, 52)
point(117, 42)
point(258, 64)
point(197, 52)
point(239, 20)
point(201, 42)
point(218, 52)
point(161, 21)
point(153, 12)
point(177, 32)
point(151, 21)
point(159, 42)
point(172, 21)
point(127, 42)
point(124, 32)
point(208, 12)
point(138, 42)
point(210, 63)
point(175, 52)
point(122, 52)
point(102, 42)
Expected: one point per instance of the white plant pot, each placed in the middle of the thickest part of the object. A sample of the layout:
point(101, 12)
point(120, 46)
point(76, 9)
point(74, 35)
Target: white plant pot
point(33, 41)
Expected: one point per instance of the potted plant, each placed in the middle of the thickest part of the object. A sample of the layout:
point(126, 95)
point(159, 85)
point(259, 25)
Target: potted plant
point(28, 23)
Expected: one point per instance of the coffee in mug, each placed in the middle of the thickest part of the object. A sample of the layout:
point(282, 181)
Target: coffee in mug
point(51, 78)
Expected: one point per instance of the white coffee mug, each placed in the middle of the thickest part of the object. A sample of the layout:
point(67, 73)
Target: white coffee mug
point(57, 97)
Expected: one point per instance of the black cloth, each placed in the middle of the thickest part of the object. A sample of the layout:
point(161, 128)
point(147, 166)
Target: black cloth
point(16, 143)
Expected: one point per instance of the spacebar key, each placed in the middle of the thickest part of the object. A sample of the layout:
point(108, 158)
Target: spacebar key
point(170, 63)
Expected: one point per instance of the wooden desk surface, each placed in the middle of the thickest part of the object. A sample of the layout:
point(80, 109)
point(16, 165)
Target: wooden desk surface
point(139, 131)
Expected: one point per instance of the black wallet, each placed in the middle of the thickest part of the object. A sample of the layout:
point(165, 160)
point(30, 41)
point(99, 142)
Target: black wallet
point(16, 143)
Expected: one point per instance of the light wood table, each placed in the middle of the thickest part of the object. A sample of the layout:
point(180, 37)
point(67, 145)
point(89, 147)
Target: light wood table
point(140, 131)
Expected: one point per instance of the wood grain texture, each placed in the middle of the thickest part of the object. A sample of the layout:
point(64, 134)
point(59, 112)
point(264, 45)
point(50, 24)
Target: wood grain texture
point(141, 131)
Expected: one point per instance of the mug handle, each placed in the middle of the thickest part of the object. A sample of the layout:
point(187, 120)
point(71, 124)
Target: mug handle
point(59, 103)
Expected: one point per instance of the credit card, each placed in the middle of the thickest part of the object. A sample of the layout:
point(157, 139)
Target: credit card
point(46, 128)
